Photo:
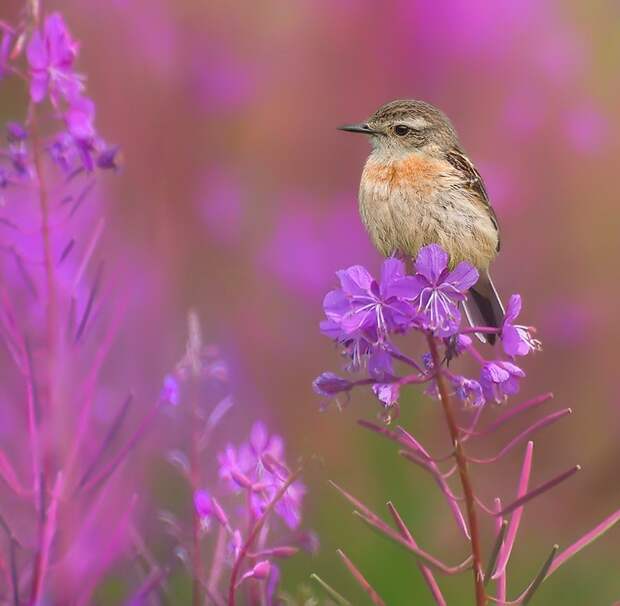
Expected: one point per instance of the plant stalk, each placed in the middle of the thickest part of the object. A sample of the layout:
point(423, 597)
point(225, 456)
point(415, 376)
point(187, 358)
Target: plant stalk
point(461, 462)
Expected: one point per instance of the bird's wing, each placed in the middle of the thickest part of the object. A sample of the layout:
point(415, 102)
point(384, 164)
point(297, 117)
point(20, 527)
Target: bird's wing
point(472, 181)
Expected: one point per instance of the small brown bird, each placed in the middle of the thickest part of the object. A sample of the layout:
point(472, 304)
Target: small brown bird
point(419, 187)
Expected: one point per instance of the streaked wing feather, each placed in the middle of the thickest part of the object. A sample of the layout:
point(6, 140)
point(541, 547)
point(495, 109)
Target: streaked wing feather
point(473, 181)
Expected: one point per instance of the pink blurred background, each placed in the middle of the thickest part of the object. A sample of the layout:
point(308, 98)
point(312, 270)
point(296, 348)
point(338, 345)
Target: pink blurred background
point(238, 199)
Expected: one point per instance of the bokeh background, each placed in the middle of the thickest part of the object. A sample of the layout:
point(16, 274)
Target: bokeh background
point(238, 199)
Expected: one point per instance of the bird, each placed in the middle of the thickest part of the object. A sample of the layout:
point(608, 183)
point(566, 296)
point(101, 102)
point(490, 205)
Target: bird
point(419, 187)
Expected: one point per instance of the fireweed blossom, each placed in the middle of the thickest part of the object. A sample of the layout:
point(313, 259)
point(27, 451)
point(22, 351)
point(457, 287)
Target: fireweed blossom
point(365, 306)
point(252, 515)
point(51, 55)
point(70, 518)
point(384, 315)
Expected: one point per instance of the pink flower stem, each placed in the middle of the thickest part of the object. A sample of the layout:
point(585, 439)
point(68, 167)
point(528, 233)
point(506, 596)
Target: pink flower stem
point(513, 412)
point(256, 528)
point(375, 598)
point(461, 461)
point(196, 522)
point(48, 530)
point(427, 573)
point(500, 583)
point(48, 260)
point(515, 519)
point(218, 561)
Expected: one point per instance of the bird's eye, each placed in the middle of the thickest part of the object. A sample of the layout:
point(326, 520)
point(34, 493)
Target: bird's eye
point(401, 130)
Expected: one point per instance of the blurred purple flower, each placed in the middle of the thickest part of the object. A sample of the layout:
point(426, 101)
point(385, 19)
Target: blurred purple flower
point(19, 158)
point(4, 178)
point(51, 56)
point(516, 339)
point(15, 132)
point(171, 391)
point(298, 241)
point(108, 159)
point(499, 380)
point(438, 291)
point(203, 504)
point(79, 118)
point(222, 206)
point(289, 506)
point(586, 129)
point(228, 84)
point(259, 467)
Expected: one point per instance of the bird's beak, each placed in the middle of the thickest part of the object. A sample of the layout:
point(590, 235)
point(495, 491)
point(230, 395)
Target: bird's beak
point(359, 128)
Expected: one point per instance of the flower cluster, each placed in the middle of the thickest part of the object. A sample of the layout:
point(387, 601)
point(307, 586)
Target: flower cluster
point(60, 457)
point(51, 54)
point(255, 486)
point(258, 467)
point(366, 316)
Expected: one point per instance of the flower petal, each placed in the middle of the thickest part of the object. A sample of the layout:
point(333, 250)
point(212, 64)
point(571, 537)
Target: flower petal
point(329, 384)
point(513, 309)
point(387, 393)
point(391, 271)
point(408, 288)
point(355, 279)
point(431, 262)
point(495, 373)
point(513, 369)
point(463, 277)
point(513, 342)
point(380, 365)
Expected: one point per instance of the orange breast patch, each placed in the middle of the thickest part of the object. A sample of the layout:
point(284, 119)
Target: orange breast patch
point(413, 172)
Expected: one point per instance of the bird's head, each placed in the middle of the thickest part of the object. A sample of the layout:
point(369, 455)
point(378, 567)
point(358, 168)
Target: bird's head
point(404, 126)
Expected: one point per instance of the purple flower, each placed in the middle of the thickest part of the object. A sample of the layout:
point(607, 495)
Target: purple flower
point(19, 158)
point(259, 467)
point(516, 339)
point(76, 147)
point(329, 384)
point(468, 391)
point(499, 380)
point(79, 118)
point(387, 393)
point(380, 368)
point(203, 504)
point(362, 304)
point(262, 444)
point(15, 132)
point(51, 55)
point(357, 347)
point(4, 178)
point(438, 291)
point(289, 506)
point(63, 151)
point(171, 391)
point(109, 158)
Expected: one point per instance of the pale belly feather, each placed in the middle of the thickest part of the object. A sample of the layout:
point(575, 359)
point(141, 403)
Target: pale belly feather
point(402, 215)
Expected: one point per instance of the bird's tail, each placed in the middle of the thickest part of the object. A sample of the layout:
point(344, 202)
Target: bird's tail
point(484, 307)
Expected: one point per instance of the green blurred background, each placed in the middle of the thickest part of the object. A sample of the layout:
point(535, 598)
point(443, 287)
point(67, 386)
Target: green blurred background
point(238, 198)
